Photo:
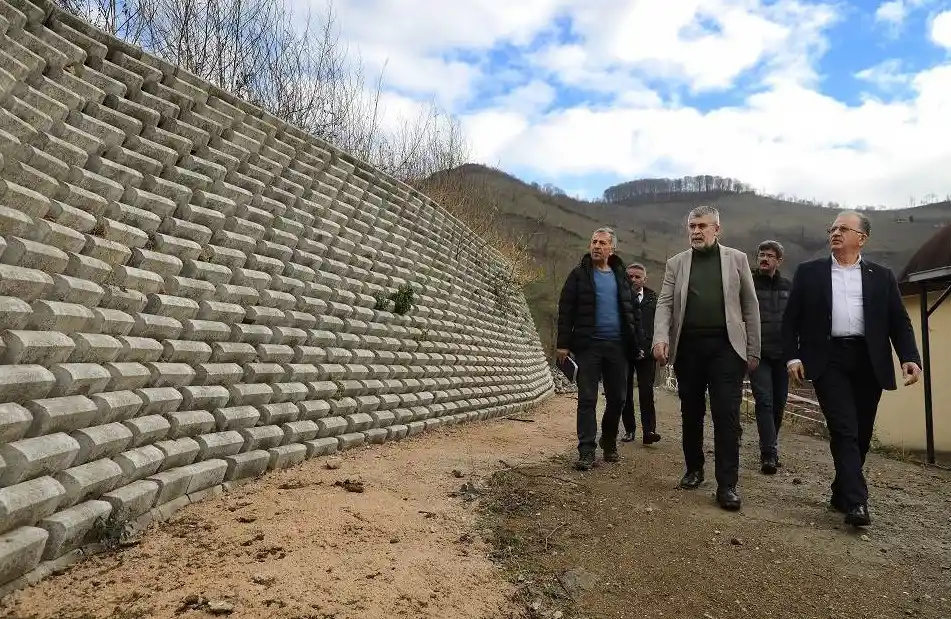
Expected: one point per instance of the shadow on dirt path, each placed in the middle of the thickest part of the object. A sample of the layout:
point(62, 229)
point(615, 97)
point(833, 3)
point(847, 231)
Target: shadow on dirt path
point(624, 541)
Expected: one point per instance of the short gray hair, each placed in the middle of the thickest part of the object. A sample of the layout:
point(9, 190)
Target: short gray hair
point(609, 232)
point(703, 211)
point(864, 222)
point(637, 265)
point(775, 246)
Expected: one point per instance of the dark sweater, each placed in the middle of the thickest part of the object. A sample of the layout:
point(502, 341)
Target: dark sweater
point(705, 311)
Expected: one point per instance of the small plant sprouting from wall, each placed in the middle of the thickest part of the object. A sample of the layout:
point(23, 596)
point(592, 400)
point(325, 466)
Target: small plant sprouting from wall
point(382, 302)
point(403, 299)
point(505, 289)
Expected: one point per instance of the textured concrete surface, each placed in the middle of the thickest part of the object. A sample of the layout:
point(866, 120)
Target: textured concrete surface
point(188, 294)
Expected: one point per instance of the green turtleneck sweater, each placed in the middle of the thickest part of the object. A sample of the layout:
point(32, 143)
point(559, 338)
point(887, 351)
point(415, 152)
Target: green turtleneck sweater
point(705, 310)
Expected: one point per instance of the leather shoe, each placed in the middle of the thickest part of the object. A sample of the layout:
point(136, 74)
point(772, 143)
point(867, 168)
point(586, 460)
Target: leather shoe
point(691, 479)
point(838, 504)
point(769, 465)
point(728, 498)
point(858, 516)
point(651, 437)
point(611, 456)
point(585, 462)
point(628, 437)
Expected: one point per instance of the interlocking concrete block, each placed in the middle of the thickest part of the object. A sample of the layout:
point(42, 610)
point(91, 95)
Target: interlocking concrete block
point(278, 413)
point(224, 374)
point(286, 456)
point(34, 457)
point(148, 429)
point(21, 551)
point(178, 452)
point(170, 374)
point(88, 480)
point(99, 442)
point(140, 462)
point(350, 440)
point(94, 348)
point(248, 464)
point(72, 527)
point(139, 349)
point(331, 426)
point(396, 432)
point(79, 378)
point(236, 417)
point(117, 405)
point(185, 351)
point(299, 431)
point(376, 436)
point(189, 423)
point(60, 414)
point(15, 421)
point(262, 437)
point(220, 444)
point(131, 500)
point(321, 447)
point(232, 352)
point(36, 347)
point(206, 474)
point(172, 483)
point(127, 375)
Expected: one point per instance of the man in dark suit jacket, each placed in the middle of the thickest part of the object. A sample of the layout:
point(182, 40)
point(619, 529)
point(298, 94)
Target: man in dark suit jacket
point(645, 302)
point(843, 316)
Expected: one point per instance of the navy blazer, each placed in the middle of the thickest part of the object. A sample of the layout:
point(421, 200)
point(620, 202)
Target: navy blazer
point(807, 321)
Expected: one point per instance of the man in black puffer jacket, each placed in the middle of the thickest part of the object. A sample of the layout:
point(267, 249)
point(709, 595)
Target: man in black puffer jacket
point(769, 381)
point(598, 326)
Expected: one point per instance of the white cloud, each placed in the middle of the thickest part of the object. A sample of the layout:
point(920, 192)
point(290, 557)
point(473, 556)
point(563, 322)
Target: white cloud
point(892, 12)
point(941, 30)
point(607, 99)
point(886, 75)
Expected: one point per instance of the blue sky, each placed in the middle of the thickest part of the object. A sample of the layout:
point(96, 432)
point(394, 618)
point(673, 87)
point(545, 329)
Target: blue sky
point(845, 101)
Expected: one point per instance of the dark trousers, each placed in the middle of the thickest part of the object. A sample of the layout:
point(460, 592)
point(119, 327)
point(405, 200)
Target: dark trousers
point(770, 384)
point(602, 361)
point(645, 369)
point(849, 394)
point(709, 362)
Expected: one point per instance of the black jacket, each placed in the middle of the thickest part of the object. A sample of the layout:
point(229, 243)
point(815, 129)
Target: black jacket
point(576, 309)
point(647, 308)
point(807, 323)
point(772, 294)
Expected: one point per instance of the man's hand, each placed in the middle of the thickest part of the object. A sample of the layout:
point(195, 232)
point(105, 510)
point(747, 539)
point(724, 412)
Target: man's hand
point(561, 354)
point(796, 373)
point(660, 352)
point(911, 372)
point(753, 363)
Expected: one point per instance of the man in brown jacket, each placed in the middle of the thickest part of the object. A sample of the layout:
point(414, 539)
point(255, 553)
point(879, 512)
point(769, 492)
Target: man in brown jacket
point(707, 324)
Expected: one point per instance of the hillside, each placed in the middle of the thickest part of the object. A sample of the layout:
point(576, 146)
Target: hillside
point(649, 232)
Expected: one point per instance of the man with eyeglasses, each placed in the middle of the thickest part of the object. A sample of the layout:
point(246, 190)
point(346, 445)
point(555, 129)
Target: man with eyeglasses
point(844, 315)
point(707, 323)
point(769, 381)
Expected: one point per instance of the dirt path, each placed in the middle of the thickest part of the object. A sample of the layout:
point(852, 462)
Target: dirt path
point(624, 541)
point(293, 544)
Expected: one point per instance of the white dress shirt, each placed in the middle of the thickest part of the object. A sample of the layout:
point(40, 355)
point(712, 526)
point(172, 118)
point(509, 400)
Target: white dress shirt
point(848, 311)
point(848, 314)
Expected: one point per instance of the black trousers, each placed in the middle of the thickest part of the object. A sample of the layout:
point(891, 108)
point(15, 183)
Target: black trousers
point(849, 394)
point(602, 361)
point(770, 384)
point(708, 361)
point(645, 369)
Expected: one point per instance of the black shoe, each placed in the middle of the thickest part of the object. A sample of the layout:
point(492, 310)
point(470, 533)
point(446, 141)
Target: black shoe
point(585, 462)
point(838, 504)
point(611, 456)
point(651, 437)
point(769, 465)
point(858, 516)
point(628, 437)
point(691, 479)
point(728, 498)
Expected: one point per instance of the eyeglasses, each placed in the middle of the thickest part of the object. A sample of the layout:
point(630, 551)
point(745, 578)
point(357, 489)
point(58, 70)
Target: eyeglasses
point(843, 230)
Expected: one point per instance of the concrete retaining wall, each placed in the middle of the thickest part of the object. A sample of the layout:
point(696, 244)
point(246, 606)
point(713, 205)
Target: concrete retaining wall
point(187, 293)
